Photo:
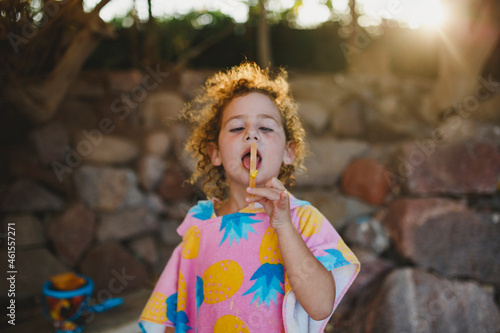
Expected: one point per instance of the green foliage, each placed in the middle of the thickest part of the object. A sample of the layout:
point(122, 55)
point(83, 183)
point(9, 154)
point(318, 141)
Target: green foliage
point(313, 49)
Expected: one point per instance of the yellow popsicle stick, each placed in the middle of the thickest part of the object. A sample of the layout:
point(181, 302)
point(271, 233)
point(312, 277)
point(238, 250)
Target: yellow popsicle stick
point(253, 168)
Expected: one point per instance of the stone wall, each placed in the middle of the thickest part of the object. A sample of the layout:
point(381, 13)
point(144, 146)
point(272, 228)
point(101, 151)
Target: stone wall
point(100, 190)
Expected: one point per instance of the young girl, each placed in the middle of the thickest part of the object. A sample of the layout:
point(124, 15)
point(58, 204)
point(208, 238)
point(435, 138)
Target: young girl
point(274, 266)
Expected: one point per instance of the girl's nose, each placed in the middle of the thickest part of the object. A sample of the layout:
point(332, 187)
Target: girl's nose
point(252, 135)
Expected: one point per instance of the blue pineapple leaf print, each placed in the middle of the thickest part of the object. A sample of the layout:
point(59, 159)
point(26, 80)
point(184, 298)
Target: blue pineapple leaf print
point(172, 308)
point(181, 324)
point(203, 210)
point(268, 280)
point(297, 202)
point(178, 318)
point(333, 259)
point(200, 297)
point(237, 226)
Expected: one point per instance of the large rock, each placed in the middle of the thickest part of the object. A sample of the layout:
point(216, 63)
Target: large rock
point(50, 142)
point(373, 268)
point(107, 189)
point(161, 108)
point(101, 148)
point(367, 232)
point(28, 230)
point(126, 223)
point(191, 82)
point(337, 208)
point(168, 232)
point(72, 232)
point(155, 203)
point(314, 116)
point(150, 170)
point(25, 164)
point(365, 178)
point(145, 248)
point(174, 185)
point(447, 237)
point(348, 120)
point(125, 81)
point(328, 160)
point(411, 300)
point(463, 168)
point(158, 143)
point(33, 268)
point(321, 88)
point(26, 195)
point(113, 270)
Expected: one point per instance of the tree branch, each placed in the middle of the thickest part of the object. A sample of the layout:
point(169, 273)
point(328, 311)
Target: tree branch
point(39, 101)
point(99, 6)
point(202, 47)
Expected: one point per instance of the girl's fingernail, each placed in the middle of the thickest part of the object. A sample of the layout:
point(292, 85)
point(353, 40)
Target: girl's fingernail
point(247, 199)
point(249, 189)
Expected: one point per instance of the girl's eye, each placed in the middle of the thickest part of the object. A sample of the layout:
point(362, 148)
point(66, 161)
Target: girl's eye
point(237, 129)
point(266, 129)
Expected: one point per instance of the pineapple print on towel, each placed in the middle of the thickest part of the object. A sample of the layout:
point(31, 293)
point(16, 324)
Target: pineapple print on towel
point(230, 324)
point(310, 220)
point(237, 226)
point(199, 294)
point(191, 243)
point(221, 281)
point(337, 257)
point(176, 306)
point(204, 210)
point(270, 275)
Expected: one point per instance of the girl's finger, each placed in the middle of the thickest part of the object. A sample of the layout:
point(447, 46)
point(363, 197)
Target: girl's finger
point(263, 192)
point(274, 183)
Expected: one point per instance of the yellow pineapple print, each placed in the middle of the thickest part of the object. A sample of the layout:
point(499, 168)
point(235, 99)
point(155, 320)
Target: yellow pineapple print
point(191, 243)
point(288, 286)
point(346, 252)
point(229, 324)
point(182, 293)
point(155, 309)
point(269, 248)
point(269, 277)
point(310, 220)
point(221, 281)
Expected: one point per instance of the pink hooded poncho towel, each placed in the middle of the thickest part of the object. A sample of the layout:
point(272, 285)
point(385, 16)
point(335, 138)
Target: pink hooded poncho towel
point(227, 275)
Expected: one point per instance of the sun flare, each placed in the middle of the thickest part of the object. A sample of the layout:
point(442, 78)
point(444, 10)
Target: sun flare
point(410, 13)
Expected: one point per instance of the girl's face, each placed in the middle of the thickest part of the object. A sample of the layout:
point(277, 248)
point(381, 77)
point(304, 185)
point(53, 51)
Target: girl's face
point(251, 118)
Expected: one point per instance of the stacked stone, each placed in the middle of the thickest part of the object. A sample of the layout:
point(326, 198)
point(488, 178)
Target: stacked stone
point(101, 190)
point(442, 270)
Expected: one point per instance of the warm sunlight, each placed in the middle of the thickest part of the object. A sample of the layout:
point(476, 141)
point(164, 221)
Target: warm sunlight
point(410, 13)
point(312, 13)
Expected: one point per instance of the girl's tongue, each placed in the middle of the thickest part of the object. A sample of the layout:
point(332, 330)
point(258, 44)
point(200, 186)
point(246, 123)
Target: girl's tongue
point(246, 161)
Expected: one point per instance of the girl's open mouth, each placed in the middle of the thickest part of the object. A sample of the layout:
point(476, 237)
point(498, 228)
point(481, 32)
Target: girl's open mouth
point(246, 159)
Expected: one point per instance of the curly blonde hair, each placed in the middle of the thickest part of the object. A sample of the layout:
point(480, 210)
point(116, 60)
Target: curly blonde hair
point(206, 110)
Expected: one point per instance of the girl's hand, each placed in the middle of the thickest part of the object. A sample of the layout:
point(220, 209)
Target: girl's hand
point(274, 197)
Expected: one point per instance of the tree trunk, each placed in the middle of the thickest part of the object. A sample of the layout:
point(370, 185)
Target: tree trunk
point(265, 57)
point(150, 48)
point(39, 100)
